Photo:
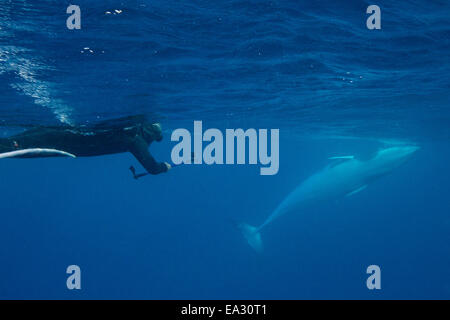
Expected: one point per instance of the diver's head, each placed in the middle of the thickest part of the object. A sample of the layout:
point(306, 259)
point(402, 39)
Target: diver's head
point(152, 131)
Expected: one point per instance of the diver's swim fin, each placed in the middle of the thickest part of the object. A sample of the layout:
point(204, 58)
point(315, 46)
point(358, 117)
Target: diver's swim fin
point(35, 153)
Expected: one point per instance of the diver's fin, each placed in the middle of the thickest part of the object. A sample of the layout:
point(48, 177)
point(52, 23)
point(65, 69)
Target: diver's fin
point(342, 157)
point(356, 191)
point(252, 235)
point(35, 153)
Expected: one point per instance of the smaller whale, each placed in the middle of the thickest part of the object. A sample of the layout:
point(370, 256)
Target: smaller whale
point(346, 176)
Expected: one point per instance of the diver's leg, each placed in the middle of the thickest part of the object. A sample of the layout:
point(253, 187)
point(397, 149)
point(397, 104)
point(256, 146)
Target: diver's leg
point(5, 145)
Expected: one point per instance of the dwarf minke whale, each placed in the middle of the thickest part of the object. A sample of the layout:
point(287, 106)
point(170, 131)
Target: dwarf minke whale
point(344, 177)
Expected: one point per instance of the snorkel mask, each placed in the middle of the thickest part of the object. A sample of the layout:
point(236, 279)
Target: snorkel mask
point(153, 132)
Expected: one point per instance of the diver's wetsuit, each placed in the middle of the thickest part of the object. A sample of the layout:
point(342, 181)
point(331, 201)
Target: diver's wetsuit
point(132, 134)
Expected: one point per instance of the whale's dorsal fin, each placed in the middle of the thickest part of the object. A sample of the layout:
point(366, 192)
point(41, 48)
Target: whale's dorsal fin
point(342, 158)
point(339, 159)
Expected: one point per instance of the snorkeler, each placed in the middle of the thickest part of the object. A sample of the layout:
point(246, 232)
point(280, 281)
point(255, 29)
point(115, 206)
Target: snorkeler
point(131, 134)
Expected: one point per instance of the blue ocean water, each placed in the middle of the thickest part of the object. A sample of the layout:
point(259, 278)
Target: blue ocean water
point(311, 69)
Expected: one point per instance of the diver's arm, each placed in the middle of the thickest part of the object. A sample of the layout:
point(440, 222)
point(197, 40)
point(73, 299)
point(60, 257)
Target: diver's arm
point(139, 149)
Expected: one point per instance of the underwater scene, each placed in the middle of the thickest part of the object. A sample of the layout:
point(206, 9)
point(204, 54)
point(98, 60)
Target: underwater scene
point(234, 149)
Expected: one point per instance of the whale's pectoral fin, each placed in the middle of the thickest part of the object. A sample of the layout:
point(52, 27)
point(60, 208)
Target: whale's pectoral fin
point(356, 191)
point(35, 153)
